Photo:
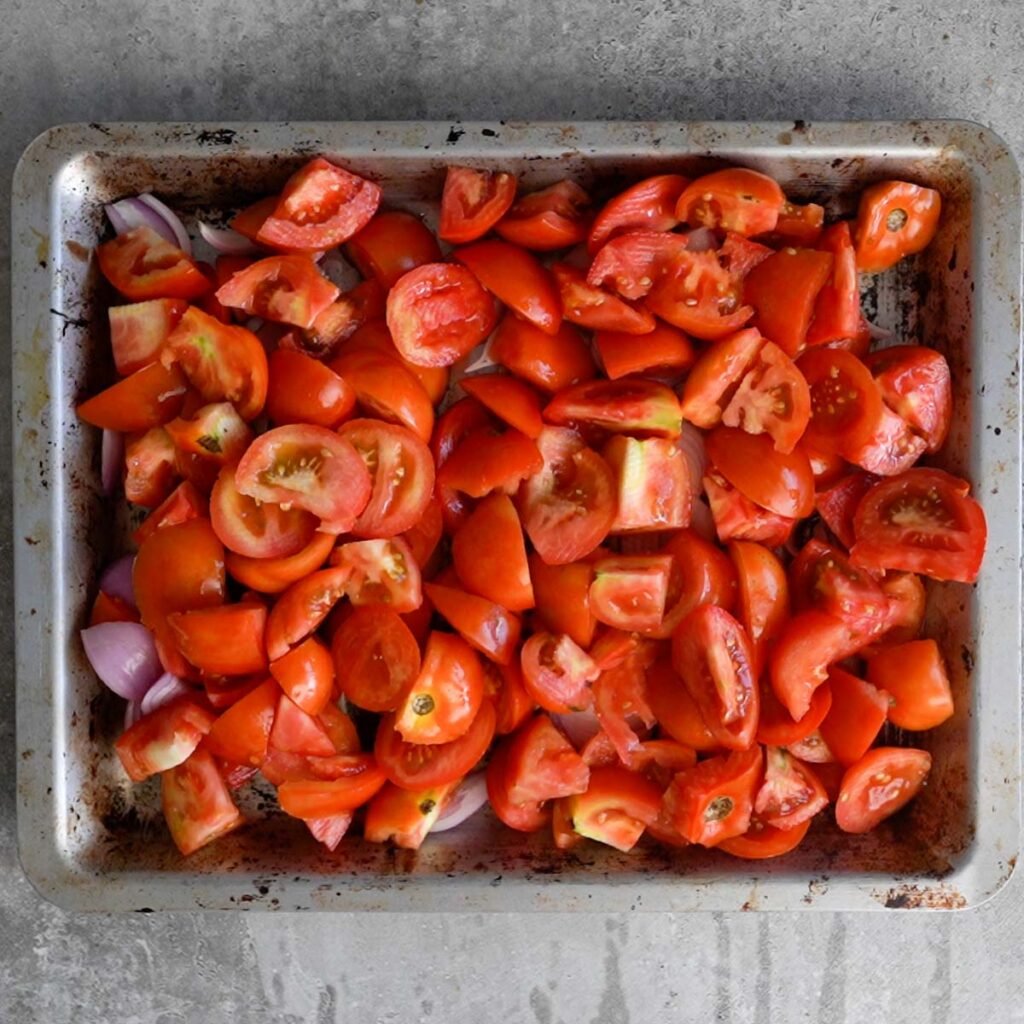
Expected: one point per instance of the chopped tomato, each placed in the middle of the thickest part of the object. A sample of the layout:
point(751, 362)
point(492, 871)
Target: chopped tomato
point(272, 575)
point(857, 712)
point(615, 808)
point(595, 308)
point(505, 688)
point(542, 764)
point(776, 727)
point(761, 841)
point(488, 460)
point(241, 735)
point(404, 817)
point(783, 290)
point(151, 465)
point(303, 606)
point(306, 675)
point(893, 447)
point(284, 289)
point(558, 673)
point(620, 703)
point(629, 264)
point(736, 517)
point(148, 398)
point(549, 363)
point(665, 349)
point(197, 803)
point(343, 320)
point(634, 406)
point(701, 574)
point(248, 221)
point(837, 309)
point(141, 265)
point(907, 599)
point(555, 217)
point(222, 641)
point(915, 383)
point(763, 596)
point(318, 798)
point(453, 427)
point(562, 593)
point(163, 738)
point(649, 204)
point(882, 782)
point(302, 389)
point(111, 608)
point(490, 628)
point(822, 577)
point(736, 199)
point(390, 245)
point(138, 331)
point(914, 675)
point(526, 816)
point(424, 537)
point(790, 794)
point(629, 591)
point(714, 379)
point(380, 572)
point(895, 219)
point(473, 202)
point(838, 503)
point(297, 732)
point(799, 224)
point(216, 432)
point(654, 487)
point(511, 400)
point(376, 658)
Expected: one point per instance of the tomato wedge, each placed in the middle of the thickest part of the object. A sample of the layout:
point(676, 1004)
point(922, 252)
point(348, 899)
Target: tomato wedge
point(860, 711)
point(488, 460)
point(393, 243)
point(306, 675)
point(376, 658)
point(272, 575)
point(761, 841)
point(615, 809)
point(285, 289)
point(511, 400)
point(138, 331)
point(302, 607)
point(548, 362)
point(665, 350)
point(197, 803)
point(654, 487)
point(895, 219)
point(882, 782)
point(148, 398)
point(163, 739)
point(302, 389)
point(763, 596)
point(783, 291)
point(735, 199)
point(629, 591)
point(241, 735)
point(790, 794)
point(915, 677)
point(558, 673)
point(837, 309)
point(141, 265)
point(473, 202)
point(402, 816)
point(381, 572)
point(630, 263)
point(634, 406)
point(318, 798)
point(223, 641)
point(600, 310)
point(649, 204)
point(491, 629)
point(562, 593)
point(915, 383)
point(555, 217)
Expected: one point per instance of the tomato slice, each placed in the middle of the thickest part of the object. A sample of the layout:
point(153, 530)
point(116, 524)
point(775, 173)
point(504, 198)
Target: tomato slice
point(857, 712)
point(138, 331)
point(761, 841)
point(712, 655)
point(630, 263)
point(735, 199)
point(318, 798)
point(307, 467)
point(736, 517)
point(895, 219)
point(404, 817)
point(490, 628)
point(401, 470)
point(790, 794)
point(148, 398)
point(437, 313)
point(799, 224)
point(763, 592)
point(392, 244)
point(616, 807)
point(284, 289)
point(548, 362)
point(714, 379)
point(223, 641)
point(713, 801)
point(882, 782)
point(197, 804)
point(555, 217)
point(837, 309)
point(511, 400)
point(376, 658)
point(421, 766)
point(654, 487)
point(569, 506)
point(634, 406)
point(302, 607)
point(915, 383)
point(141, 265)
point(301, 389)
point(445, 696)
point(557, 673)
point(664, 350)
point(162, 739)
point(488, 460)
point(473, 201)
point(629, 591)
point(517, 279)
point(600, 310)
point(921, 521)
point(780, 482)
point(562, 593)
point(649, 204)
point(915, 677)
point(489, 554)
point(241, 735)
point(838, 503)
point(321, 206)
point(776, 727)
point(272, 575)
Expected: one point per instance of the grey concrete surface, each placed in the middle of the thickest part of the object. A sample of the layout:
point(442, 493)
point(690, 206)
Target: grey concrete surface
point(95, 60)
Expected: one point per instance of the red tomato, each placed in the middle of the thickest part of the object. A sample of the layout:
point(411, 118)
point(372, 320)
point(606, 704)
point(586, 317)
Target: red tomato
point(664, 350)
point(714, 800)
point(552, 218)
point(736, 517)
point(197, 803)
point(376, 337)
point(453, 426)
point(446, 695)
point(837, 309)
point(490, 628)
point(857, 712)
point(799, 224)
point(701, 574)
point(296, 732)
point(907, 600)
point(489, 554)
point(717, 374)
point(248, 221)
point(542, 764)
point(424, 537)
point(569, 506)
point(735, 199)
point(783, 291)
point(404, 817)
point(302, 607)
point(272, 575)
point(822, 577)
point(301, 389)
point(676, 711)
point(473, 202)
point(438, 313)
point(777, 728)
point(512, 401)
point(914, 675)
point(487, 460)
point(527, 816)
point(376, 658)
point(319, 798)
point(779, 482)
point(739, 255)
point(922, 521)
point(762, 841)
point(141, 265)
point(392, 244)
point(587, 306)
point(837, 505)
point(223, 363)
point(151, 464)
point(222, 641)
point(416, 766)
point(620, 702)
point(558, 673)
point(309, 468)
point(402, 476)
point(284, 289)
point(110, 608)
point(549, 363)
point(915, 383)
point(162, 739)
point(148, 398)
point(895, 219)
point(562, 593)
point(340, 321)
point(306, 674)
point(216, 433)
point(242, 733)
point(320, 206)
point(790, 794)
point(630, 263)
point(654, 487)
point(616, 807)
point(138, 331)
point(512, 703)
point(701, 296)
point(878, 785)
point(649, 204)
point(517, 279)
point(381, 572)
point(763, 596)
point(629, 591)
point(711, 653)
point(634, 406)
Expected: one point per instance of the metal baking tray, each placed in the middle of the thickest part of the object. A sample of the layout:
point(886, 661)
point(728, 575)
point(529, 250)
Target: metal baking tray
point(90, 840)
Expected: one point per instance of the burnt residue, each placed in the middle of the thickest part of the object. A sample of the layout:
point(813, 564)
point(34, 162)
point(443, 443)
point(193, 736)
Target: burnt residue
point(915, 897)
point(454, 134)
point(69, 321)
point(967, 657)
point(216, 136)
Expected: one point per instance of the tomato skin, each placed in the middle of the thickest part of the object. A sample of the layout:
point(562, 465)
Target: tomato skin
point(301, 389)
point(895, 219)
point(318, 798)
point(777, 728)
point(763, 592)
point(488, 460)
point(490, 628)
point(298, 222)
point(915, 677)
point(552, 218)
point(595, 308)
point(473, 201)
point(761, 841)
point(517, 279)
point(391, 244)
point(489, 554)
point(376, 337)
point(380, 572)
point(915, 383)
point(860, 711)
point(197, 803)
point(666, 349)
point(223, 641)
point(921, 521)
point(629, 591)
point(649, 204)
point(306, 675)
point(837, 309)
point(548, 362)
point(735, 199)
point(341, 321)
point(302, 607)
point(882, 782)
point(616, 807)
point(505, 688)
point(635, 406)
point(654, 489)
point(528, 816)
point(163, 739)
point(273, 575)
point(138, 331)
point(557, 673)
point(148, 398)
point(510, 399)
point(562, 594)
point(701, 574)
point(437, 313)
point(790, 794)
point(403, 817)
point(141, 266)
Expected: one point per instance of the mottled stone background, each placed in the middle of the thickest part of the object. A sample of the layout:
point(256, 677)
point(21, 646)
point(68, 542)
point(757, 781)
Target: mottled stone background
point(96, 60)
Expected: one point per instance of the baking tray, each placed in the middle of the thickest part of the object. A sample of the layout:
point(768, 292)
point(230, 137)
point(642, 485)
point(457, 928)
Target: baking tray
point(90, 840)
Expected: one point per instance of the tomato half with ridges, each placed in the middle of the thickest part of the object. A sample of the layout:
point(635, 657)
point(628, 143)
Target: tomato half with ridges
point(272, 575)
point(616, 808)
point(734, 199)
point(665, 350)
point(562, 593)
point(915, 383)
point(393, 243)
point(148, 398)
point(557, 673)
point(513, 401)
point(302, 389)
point(882, 782)
point(548, 362)
point(790, 794)
point(860, 711)
point(629, 591)
point(551, 218)
point(649, 204)
point(141, 265)
point(654, 487)
point(223, 641)
point(712, 655)
point(283, 289)
point(894, 219)
point(837, 308)
point(922, 521)
point(763, 592)
point(163, 738)
point(307, 467)
point(138, 331)
point(635, 406)
point(402, 816)
point(595, 308)
point(197, 804)
point(473, 201)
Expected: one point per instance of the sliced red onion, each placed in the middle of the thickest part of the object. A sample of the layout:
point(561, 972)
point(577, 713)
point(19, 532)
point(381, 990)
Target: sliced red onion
point(579, 726)
point(111, 460)
point(132, 713)
point(227, 241)
point(702, 522)
point(116, 579)
point(470, 796)
point(127, 214)
point(701, 240)
point(171, 219)
point(691, 444)
point(163, 691)
point(124, 656)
